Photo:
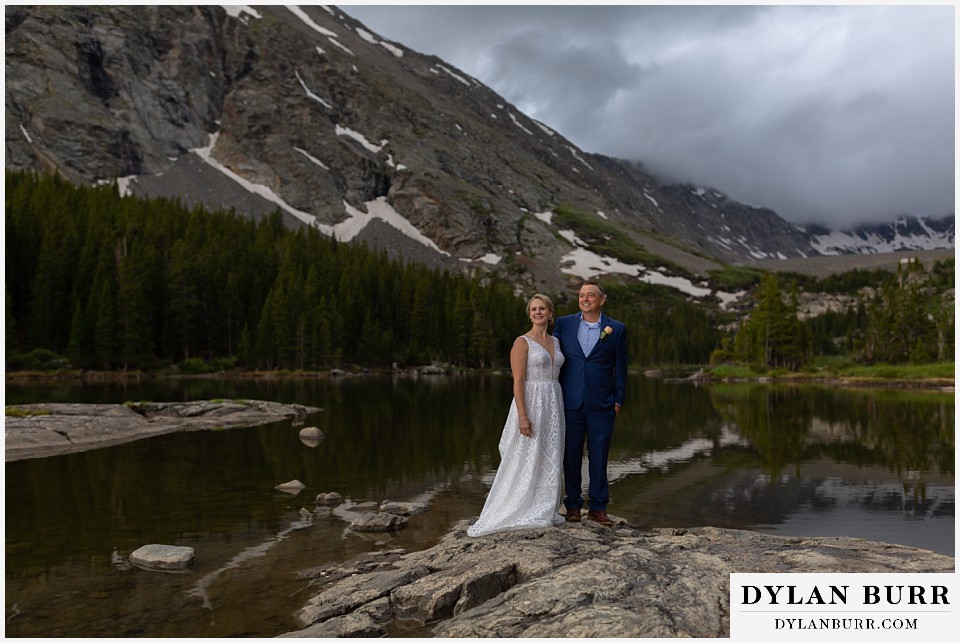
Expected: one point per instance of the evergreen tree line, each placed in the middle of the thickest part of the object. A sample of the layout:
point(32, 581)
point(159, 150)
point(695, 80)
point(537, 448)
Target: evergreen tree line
point(128, 283)
point(904, 317)
point(97, 281)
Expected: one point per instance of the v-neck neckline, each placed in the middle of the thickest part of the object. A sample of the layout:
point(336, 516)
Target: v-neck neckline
point(552, 356)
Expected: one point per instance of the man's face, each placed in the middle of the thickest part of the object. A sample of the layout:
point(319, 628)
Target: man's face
point(590, 299)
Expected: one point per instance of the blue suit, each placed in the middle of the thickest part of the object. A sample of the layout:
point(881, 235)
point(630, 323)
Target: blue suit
point(592, 384)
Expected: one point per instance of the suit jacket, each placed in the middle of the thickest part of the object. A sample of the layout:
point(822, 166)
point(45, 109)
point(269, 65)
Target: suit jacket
point(596, 381)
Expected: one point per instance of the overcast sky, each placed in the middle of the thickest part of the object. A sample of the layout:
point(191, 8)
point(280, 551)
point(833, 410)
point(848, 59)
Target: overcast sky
point(832, 114)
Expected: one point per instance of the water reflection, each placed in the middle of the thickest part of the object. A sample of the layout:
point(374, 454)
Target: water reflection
point(791, 460)
point(910, 432)
point(802, 461)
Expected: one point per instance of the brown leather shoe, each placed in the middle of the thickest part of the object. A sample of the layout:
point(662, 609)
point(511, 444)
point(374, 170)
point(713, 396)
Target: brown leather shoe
point(600, 516)
point(573, 515)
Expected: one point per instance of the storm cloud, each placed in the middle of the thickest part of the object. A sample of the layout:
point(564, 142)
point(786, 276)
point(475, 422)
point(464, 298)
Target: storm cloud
point(828, 114)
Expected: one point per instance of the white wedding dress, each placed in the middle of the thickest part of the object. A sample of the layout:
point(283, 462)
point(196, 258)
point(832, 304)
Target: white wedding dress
point(526, 489)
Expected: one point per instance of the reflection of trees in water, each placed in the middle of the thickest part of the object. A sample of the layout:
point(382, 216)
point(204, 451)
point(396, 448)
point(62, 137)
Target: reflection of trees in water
point(728, 490)
point(910, 433)
point(885, 497)
point(722, 489)
point(659, 416)
point(795, 440)
point(399, 436)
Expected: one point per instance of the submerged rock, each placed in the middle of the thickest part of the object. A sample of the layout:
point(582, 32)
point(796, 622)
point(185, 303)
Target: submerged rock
point(378, 522)
point(403, 508)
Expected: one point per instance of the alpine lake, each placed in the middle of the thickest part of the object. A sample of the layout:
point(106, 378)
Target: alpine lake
point(789, 460)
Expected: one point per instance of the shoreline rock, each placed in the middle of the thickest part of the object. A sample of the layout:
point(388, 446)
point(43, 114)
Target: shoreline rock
point(575, 580)
point(44, 430)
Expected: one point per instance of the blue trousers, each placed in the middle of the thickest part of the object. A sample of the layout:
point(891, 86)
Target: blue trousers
point(595, 429)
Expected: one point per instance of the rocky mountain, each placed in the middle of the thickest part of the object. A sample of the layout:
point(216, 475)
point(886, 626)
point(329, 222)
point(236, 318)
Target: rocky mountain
point(306, 110)
point(905, 234)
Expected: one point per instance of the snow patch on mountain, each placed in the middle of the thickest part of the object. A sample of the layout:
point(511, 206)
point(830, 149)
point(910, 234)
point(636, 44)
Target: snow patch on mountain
point(123, 184)
point(369, 37)
point(587, 264)
point(236, 10)
point(307, 20)
point(261, 190)
point(904, 234)
point(310, 94)
point(456, 76)
point(520, 125)
point(360, 138)
point(379, 209)
point(489, 258)
point(312, 159)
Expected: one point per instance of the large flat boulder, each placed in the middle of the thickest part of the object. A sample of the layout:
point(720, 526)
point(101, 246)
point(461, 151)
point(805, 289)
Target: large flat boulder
point(43, 430)
point(576, 580)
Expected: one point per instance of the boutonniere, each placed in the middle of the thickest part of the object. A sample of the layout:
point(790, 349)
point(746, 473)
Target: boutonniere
point(606, 331)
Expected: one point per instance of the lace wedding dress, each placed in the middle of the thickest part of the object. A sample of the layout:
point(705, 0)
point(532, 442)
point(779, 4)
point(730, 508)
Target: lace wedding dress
point(526, 489)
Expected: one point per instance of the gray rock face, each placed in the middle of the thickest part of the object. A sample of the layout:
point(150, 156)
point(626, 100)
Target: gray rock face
point(100, 92)
point(51, 429)
point(162, 557)
point(577, 580)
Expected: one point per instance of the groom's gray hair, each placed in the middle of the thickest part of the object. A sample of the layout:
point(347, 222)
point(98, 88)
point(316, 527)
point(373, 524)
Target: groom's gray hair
point(593, 283)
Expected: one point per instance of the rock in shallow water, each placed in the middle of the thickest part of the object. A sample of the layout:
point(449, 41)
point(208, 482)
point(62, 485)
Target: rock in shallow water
point(162, 557)
point(378, 522)
point(294, 487)
point(329, 499)
point(311, 436)
point(403, 508)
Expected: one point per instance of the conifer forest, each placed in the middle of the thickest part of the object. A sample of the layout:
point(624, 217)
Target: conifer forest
point(103, 282)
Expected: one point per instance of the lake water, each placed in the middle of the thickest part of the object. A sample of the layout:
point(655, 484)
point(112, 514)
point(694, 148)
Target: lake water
point(798, 460)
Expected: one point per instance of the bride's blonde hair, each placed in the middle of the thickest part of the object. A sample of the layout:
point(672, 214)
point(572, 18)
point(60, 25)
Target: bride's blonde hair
point(545, 300)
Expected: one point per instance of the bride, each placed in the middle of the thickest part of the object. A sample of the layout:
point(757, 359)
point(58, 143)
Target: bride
point(526, 489)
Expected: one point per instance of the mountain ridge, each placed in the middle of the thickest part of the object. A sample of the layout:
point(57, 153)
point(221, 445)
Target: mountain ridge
point(306, 109)
point(905, 234)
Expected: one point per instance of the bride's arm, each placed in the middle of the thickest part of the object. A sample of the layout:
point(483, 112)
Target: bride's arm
point(518, 365)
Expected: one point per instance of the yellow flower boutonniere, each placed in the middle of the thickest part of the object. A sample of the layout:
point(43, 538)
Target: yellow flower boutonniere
point(606, 331)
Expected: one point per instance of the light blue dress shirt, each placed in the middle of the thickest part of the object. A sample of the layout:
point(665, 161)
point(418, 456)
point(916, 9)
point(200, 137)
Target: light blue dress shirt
point(588, 335)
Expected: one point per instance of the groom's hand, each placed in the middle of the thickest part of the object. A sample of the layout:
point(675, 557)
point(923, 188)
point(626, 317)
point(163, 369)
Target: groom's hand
point(616, 410)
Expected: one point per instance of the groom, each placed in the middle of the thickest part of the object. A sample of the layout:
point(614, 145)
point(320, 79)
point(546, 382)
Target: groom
point(593, 379)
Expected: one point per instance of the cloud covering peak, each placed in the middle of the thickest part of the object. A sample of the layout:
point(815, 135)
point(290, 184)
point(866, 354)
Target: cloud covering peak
point(829, 114)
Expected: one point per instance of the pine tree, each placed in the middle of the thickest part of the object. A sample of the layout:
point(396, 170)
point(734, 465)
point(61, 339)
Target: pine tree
point(772, 336)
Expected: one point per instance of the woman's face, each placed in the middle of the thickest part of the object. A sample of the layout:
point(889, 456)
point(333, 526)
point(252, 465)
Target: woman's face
point(539, 312)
